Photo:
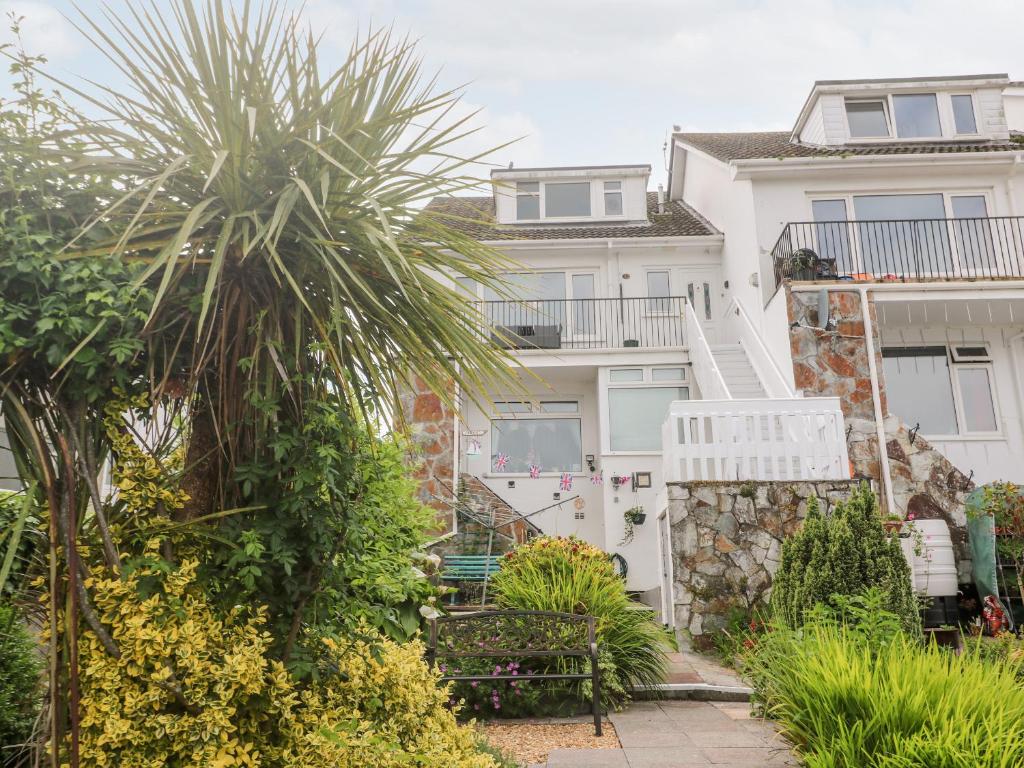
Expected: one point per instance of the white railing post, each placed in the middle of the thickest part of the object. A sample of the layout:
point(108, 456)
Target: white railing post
point(781, 439)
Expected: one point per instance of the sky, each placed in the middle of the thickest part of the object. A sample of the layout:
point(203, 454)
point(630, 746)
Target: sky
point(582, 82)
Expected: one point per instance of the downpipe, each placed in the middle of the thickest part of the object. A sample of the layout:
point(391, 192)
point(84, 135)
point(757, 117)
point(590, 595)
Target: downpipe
point(876, 400)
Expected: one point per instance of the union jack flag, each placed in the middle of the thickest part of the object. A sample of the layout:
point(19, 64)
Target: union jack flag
point(597, 478)
point(566, 482)
point(500, 461)
point(534, 471)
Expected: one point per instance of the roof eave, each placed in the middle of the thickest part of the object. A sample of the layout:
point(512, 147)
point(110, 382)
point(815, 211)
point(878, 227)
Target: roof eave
point(744, 169)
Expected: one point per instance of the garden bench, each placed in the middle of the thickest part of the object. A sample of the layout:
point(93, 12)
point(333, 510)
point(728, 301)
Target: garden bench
point(470, 567)
point(518, 635)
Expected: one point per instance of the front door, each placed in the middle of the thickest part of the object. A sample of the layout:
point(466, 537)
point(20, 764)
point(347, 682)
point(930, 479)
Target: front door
point(703, 291)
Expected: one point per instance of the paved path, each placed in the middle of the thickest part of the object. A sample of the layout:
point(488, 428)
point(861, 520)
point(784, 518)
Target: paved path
point(684, 734)
point(694, 676)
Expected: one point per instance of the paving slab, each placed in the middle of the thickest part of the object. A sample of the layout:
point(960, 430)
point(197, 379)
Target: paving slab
point(684, 734)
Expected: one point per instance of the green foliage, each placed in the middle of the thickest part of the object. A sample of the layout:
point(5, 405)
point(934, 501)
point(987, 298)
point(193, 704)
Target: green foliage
point(842, 554)
point(569, 575)
point(20, 683)
point(1004, 502)
point(196, 686)
point(867, 697)
point(21, 540)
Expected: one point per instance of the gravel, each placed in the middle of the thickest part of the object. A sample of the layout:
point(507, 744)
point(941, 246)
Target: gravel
point(531, 742)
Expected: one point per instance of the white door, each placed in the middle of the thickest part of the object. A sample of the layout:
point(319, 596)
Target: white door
point(703, 290)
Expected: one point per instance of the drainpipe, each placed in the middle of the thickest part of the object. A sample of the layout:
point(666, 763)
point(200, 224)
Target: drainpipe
point(876, 399)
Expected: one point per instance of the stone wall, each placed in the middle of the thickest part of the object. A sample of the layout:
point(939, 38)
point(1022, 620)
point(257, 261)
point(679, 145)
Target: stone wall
point(727, 540)
point(834, 362)
point(430, 424)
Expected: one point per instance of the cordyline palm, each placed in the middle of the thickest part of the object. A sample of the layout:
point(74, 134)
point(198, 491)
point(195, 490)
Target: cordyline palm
point(289, 201)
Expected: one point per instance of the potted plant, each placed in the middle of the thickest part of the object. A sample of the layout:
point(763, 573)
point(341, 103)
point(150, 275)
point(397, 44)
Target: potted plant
point(893, 523)
point(803, 265)
point(633, 516)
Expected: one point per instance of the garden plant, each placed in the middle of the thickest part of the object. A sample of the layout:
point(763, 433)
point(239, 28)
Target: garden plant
point(214, 281)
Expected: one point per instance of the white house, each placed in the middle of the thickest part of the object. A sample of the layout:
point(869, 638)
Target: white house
point(847, 297)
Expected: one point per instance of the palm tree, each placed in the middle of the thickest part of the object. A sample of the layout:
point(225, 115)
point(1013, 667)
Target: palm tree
point(287, 205)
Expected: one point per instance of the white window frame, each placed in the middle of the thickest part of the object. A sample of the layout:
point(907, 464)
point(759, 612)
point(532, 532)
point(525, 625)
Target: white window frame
point(535, 413)
point(947, 122)
point(538, 194)
point(648, 311)
point(573, 217)
point(974, 108)
point(597, 208)
point(959, 413)
point(621, 192)
point(605, 384)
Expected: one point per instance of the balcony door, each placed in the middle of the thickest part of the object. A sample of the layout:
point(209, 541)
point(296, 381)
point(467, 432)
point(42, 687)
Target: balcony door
point(699, 285)
point(903, 234)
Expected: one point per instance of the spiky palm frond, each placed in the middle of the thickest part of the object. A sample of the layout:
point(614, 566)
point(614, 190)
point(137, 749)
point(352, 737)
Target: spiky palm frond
point(292, 199)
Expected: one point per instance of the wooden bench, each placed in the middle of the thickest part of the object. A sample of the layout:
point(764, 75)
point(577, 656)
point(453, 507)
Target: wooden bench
point(470, 567)
point(518, 635)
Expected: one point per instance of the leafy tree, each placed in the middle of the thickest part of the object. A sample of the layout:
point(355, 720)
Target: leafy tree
point(20, 689)
point(835, 557)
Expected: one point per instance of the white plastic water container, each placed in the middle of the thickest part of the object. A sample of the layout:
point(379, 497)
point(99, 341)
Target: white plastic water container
point(934, 566)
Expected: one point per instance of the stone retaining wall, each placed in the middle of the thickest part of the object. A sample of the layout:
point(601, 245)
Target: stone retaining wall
point(727, 541)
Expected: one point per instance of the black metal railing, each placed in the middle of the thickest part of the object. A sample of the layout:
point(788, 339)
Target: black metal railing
point(901, 249)
point(587, 323)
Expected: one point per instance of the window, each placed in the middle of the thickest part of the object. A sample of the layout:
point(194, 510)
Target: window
point(903, 233)
point(917, 115)
point(567, 199)
point(974, 241)
point(946, 398)
point(832, 233)
point(613, 198)
point(528, 200)
point(658, 291)
point(963, 114)
point(625, 374)
point(976, 395)
point(543, 292)
point(546, 435)
point(636, 414)
point(468, 286)
point(668, 374)
point(867, 119)
point(512, 406)
point(584, 308)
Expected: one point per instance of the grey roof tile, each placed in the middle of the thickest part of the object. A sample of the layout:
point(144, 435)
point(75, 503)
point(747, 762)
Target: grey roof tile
point(767, 145)
point(474, 216)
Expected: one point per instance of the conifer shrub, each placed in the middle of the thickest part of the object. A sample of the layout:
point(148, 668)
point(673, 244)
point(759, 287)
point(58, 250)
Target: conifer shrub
point(20, 686)
point(842, 554)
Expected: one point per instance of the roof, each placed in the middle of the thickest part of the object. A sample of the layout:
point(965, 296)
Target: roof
point(919, 79)
point(474, 216)
point(767, 145)
point(637, 167)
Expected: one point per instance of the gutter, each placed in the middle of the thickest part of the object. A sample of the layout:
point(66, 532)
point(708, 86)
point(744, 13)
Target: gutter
point(744, 169)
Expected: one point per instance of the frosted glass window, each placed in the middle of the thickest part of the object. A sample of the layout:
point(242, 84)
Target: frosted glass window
point(635, 416)
point(528, 200)
point(559, 406)
point(567, 199)
point(963, 114)
point(866, 119)
point(626, 374)
point(919, 389)
point(512, 406)
point(668, 374)
point(976, 394)
point(657, 292)
point(554, 445)
point(917, 115)
point(613, 198)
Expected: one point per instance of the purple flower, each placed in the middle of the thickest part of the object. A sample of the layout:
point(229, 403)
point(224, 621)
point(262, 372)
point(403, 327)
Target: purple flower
point(475, 683)
point(515, 671)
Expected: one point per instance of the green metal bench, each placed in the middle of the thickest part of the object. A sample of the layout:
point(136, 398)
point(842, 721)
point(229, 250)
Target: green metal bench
point(470, 567)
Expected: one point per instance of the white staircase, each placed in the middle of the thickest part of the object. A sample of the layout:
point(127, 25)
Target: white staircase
point(738, 373)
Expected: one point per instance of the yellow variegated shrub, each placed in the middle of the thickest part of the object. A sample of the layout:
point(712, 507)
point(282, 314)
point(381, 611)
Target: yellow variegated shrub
point(192, 688)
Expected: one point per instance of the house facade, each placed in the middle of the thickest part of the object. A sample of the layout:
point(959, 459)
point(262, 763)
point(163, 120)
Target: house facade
point(845, 300)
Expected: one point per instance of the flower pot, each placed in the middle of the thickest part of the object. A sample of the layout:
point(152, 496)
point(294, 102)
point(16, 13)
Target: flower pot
point(631, 343)
point(892, 526)
point(639, 519)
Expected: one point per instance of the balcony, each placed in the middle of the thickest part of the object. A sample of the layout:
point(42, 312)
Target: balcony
point(587, 323)
point(906, 250)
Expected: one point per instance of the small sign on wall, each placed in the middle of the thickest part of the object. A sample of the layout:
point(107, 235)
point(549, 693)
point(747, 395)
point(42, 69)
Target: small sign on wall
point(473, 448)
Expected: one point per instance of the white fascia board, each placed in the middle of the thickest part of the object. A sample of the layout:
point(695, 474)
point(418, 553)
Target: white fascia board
point(695, 241)
point(541, 174)
point(785, 166)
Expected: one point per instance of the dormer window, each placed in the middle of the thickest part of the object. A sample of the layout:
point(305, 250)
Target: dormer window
point(528, 200)
point(867, 119)
point(963, 114)
point(613, 198)
point(917, 116)
point(566, 199)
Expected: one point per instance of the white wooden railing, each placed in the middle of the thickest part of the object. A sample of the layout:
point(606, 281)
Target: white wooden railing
point(782, 439)
point(739, 326)
point(705, 369)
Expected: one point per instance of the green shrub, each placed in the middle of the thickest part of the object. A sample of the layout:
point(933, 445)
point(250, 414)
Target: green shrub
point(568, 575)
point(20, 689)
point(843, 553)
point(850, 698)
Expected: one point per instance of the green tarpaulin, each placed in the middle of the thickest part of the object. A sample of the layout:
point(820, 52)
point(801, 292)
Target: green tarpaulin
point(982, 534)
